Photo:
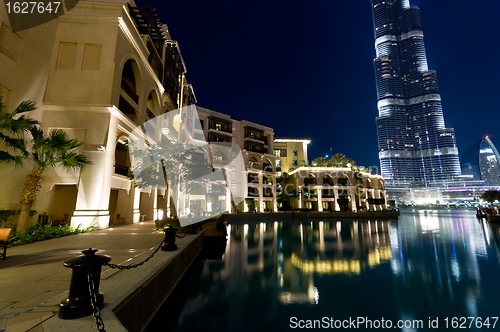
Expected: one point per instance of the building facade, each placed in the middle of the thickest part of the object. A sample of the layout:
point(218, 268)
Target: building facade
point(481, 161)
point(256, 142)
point(97, 72)
point(415, 147)
point(290, 153)
point(322, 188)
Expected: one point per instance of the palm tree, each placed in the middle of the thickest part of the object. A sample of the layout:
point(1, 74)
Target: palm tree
point(337, 160)
point(46, 151)
point(320, 161)
point(12, 130)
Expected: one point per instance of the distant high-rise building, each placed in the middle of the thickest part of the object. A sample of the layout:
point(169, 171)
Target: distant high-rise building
point(482, 162)
point(415, 147)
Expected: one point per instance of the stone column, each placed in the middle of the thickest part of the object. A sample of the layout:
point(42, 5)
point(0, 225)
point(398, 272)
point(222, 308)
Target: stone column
point(260, 206)
point(137, 204)
point(228, 195)
point(155, 203)
point(94, 185)
point(353, 198)
point(336, 192)
point(320, 197)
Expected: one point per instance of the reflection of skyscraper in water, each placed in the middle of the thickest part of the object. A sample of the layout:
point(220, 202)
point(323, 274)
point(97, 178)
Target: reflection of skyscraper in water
point(435, 266)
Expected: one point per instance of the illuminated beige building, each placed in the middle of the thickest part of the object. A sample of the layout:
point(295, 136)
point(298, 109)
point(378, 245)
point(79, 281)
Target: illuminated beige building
point(97, 73)
point(290, 153)
point(256, 144)
point(324, 188)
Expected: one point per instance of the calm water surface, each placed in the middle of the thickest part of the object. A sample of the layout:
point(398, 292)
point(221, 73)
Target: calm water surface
point(431, 264)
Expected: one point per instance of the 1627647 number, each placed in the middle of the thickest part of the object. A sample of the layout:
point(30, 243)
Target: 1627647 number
point(469, 322)
point(32, 7)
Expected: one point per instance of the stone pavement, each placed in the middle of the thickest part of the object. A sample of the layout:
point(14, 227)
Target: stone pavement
point(33, 280)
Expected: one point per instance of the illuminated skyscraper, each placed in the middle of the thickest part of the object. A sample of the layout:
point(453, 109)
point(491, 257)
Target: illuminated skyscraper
point(482, 162)
point(415, 147)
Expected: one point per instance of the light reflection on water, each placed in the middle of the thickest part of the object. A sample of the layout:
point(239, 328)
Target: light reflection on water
point(430, 263)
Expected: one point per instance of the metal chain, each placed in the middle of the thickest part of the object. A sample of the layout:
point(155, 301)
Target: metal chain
point(133, 266)
point(93, 301)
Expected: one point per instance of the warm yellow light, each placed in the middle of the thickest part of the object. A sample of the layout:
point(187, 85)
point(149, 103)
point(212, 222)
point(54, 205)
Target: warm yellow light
point(177, 122)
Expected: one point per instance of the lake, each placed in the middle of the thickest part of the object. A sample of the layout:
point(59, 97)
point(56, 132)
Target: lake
point(429, 270)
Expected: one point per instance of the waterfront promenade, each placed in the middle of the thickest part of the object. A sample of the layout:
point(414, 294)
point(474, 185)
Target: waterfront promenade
point(33, 280)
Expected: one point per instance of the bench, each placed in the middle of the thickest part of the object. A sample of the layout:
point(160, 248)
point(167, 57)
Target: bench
point(4, 240)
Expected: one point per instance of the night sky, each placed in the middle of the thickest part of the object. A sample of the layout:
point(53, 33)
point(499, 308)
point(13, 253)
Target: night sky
point(305, 68)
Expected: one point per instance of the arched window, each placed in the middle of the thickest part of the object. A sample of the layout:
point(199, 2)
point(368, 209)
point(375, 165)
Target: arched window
point(219, 157)
point(327, 180)
point(343, 181)
point(122, 160)
point(129, 97)
point(310, 180)
point(267, 166)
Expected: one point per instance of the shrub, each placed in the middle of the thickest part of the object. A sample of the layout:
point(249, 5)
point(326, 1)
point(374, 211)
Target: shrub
point(38, 232)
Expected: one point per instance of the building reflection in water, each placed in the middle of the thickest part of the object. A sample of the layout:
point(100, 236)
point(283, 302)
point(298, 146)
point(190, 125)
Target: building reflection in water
point(438, 261)
point(429, 263)
point(268, 264)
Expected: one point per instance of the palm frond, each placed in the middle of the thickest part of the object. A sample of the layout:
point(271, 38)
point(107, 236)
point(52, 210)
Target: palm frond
point(74, 161)
point(13, 143)
point(7, 158)
point(59, 139)
point(25, 106)
point(21, 124)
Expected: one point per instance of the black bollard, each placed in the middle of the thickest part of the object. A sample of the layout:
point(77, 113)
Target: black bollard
point(169, 244)
point(78, 302)
point(191, 229)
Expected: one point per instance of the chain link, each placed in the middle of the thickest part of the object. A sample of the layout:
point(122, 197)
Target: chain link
point(93, 301)
point(133, 266)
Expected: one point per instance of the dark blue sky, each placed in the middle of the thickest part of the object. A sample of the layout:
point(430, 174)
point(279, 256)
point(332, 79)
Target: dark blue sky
point(305, 68)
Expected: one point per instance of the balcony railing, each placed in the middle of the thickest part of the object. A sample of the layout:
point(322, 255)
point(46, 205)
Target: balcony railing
point(151, 115)
point(255, 148)
point(254, 134)
point(220, 125)
point(130, 92)
point(213, 137)
point(121, 170)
